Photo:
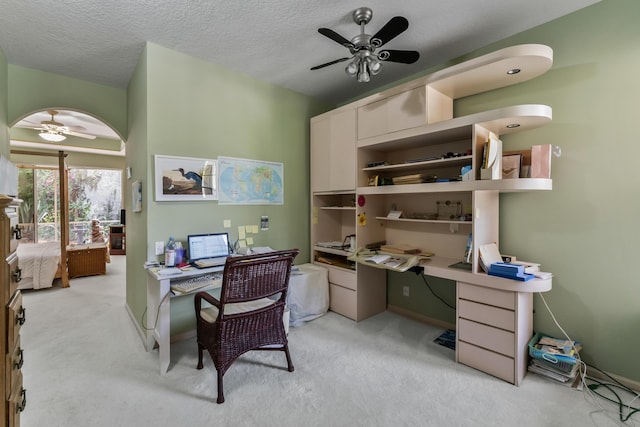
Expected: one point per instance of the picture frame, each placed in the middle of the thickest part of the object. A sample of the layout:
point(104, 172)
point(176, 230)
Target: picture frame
point(136, 196)
point(511, 165)
point(185, 179)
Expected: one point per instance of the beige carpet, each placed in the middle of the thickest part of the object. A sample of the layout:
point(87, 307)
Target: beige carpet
point(85, 365)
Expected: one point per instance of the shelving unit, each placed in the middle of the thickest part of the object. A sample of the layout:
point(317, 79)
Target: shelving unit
point(117, 240)
point(409, 131)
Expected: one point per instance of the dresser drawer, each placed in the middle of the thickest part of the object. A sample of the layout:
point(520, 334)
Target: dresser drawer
point(486, 295)
point(489, 315)
point(16, 403)
point(13, 221)
point(344, 278)
point(14, 275)
point(343, 301)
point(13, 364)
point(15, 319)
point(487, 361)
point(487, 337)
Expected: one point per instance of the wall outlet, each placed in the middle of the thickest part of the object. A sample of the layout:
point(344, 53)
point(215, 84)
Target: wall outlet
point(159, 248)
point(405, 291)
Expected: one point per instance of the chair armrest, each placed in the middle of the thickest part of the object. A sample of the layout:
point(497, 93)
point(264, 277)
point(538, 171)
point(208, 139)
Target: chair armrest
point(197, 300)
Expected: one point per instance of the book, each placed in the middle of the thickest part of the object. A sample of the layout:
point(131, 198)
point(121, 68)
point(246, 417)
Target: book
point(400, 248)
point(489, 254)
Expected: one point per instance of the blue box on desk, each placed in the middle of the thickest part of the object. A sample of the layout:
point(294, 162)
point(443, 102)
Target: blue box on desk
point(509, 271)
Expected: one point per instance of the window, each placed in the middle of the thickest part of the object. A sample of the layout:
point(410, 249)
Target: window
point(93, 194)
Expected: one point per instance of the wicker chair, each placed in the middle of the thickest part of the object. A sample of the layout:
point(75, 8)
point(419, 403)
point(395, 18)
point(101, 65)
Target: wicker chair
point(245, 318)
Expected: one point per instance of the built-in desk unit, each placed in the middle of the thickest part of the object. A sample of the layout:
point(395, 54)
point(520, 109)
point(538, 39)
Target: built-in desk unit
point(410, 133)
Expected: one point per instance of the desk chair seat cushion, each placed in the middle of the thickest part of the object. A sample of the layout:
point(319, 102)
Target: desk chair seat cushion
point(210, 314)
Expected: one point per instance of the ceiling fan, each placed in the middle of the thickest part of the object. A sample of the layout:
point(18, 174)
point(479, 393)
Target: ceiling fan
point(365, 61)
point(53, 131)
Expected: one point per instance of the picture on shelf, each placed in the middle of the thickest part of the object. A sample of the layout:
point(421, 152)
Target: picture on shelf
point(511, 165)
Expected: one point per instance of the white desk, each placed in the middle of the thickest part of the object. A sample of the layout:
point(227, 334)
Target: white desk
point(159, 310)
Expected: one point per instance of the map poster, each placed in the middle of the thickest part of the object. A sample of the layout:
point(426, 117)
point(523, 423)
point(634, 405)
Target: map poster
point(250, 182)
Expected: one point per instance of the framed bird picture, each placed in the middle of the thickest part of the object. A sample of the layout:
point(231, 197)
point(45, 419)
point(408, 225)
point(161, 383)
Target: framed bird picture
point(185, 179)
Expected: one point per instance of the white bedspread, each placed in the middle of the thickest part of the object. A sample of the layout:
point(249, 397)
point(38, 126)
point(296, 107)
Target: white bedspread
point(39, 263)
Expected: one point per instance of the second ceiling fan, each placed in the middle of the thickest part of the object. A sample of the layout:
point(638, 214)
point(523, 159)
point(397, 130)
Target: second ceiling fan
point(365, 61)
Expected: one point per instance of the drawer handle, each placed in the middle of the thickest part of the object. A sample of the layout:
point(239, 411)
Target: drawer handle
point(19, 363)
point(22, 316)
point(17, 232)
point(23, 404)
point(17, 275)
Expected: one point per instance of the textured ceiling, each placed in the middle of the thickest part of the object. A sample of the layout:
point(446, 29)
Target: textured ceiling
point(275, 41)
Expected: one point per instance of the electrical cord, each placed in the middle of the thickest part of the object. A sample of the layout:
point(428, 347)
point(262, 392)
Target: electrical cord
point(424, 279)
point(144, 326)
point(590, 389)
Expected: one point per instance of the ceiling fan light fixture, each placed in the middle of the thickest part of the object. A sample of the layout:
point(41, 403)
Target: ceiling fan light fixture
point(374, 65)
point(363, 73)
point(352, 68)
point(52, 136)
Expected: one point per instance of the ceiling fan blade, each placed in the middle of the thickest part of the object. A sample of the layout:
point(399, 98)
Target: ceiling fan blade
point(335, 37)
point(402, 56)
point(391, 30)
point(79, 134)
point(317, 67)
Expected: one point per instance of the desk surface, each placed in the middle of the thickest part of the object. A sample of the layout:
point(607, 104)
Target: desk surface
point(439, 267)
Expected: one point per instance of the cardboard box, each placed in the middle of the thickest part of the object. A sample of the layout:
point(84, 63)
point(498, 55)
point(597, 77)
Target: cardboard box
point(541, 161)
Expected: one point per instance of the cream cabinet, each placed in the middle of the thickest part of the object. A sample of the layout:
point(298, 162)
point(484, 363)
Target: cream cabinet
point(333, 151)
point(410, 151)
point(493, 329)
point(13, 314)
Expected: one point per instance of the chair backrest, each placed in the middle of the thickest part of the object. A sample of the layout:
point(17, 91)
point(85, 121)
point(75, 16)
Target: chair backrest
point(257, 276)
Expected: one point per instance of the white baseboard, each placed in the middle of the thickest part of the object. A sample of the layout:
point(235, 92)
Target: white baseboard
point(142, 333)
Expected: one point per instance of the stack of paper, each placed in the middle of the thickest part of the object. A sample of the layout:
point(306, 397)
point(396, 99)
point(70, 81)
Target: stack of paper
point(417, 178)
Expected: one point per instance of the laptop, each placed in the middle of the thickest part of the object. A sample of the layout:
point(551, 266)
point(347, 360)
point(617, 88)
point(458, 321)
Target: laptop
point(208, 250)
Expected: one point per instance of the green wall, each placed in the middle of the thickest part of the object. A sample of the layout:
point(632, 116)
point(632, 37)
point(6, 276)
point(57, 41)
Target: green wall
point(199, 109)
point(584, 231)
point(33, 90)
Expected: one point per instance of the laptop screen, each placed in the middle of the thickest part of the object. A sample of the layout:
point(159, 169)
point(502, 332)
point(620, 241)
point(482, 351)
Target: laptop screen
point(212, 245)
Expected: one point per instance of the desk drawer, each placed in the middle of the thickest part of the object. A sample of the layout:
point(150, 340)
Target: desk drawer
point(494, 316)
point(344, 278)
point(487, 337)
point(487, 361)
point(486, 295)
point(343, 301)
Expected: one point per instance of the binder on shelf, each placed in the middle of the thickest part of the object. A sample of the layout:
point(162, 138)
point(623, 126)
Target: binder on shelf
point(492, 159)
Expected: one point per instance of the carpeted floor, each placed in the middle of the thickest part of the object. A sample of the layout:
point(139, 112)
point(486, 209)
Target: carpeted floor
point(85, 365)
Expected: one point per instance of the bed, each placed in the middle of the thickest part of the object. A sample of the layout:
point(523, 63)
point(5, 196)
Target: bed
point(39, 264)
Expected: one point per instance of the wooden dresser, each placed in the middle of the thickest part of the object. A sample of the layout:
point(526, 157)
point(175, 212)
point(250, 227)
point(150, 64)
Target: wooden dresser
point(12, 316)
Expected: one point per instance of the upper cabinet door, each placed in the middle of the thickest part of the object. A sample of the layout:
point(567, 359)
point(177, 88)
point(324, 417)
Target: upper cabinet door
point(401, 111)
point(333, 151)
